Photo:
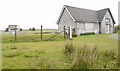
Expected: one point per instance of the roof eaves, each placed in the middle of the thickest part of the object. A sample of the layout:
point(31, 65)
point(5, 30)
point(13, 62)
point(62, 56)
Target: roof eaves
point(60, 15)
point(69, 13)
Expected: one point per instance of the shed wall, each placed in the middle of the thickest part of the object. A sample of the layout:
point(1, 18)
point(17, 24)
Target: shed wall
point(103, 24)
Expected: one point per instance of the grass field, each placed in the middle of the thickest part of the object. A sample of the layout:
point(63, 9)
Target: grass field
point(29, 52)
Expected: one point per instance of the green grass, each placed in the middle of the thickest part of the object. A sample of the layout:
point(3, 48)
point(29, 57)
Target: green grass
point(29, 52)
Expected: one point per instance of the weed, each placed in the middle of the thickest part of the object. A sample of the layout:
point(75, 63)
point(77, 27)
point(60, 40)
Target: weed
point(86, 58)
point(12, 54)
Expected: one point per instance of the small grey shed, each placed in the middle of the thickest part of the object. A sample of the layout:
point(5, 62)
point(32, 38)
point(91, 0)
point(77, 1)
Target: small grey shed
point(12, 28)
point(85, 21)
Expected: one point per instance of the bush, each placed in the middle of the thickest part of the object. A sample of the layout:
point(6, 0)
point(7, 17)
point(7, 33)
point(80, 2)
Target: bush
point(6, 30)
point(74, 34)
point(117, 28)
point(33, 29)
point(89, 33)
point(20, 29)
point(30, 29)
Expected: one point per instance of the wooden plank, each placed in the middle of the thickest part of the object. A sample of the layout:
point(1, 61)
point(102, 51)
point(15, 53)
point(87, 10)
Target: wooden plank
point(55, 35)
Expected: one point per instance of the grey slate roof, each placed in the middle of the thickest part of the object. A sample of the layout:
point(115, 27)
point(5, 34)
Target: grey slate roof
point(101, 13)
point(85, 15)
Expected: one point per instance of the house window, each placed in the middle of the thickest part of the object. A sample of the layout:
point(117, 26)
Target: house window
point(107, 19)
point(95, 26)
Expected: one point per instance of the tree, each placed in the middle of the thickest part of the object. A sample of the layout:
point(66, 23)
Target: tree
point(30, 29)
point(6, 30)
point(33, 29)
point(20, 29)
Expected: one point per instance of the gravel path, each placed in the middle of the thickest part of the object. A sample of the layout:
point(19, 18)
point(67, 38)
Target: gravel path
point(113, 36)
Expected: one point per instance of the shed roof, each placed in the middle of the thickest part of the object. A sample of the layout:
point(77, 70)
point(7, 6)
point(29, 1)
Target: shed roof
point(13, 27)
point(85, 15)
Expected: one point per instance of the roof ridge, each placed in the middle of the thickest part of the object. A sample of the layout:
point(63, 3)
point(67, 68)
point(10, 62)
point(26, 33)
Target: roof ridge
point(103, 9)
point(78, 8)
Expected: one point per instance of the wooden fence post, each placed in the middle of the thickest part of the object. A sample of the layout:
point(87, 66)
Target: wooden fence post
point(41, 32)
point(68, 31)
point(64, 32)
point(15, 32)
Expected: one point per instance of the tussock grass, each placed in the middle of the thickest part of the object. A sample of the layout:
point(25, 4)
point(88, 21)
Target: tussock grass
point(31, 54)
point(87, 57)
point(12, 54)
point(83, 57)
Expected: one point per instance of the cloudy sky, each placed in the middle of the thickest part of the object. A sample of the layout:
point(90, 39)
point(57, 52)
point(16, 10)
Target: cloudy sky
point(33, 13)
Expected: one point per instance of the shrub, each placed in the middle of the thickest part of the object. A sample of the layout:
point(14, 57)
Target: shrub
point(20, 29)
point(6, 30)
point(33, 29)
point(74, 34)
point(89, 33)
point(30, 29)
point(117, 28)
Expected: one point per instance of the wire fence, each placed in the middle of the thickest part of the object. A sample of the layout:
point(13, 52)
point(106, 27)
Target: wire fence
point(38, 35)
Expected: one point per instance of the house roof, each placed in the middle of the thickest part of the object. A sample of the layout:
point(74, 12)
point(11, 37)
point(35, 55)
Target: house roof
point(13, 27)
point(85, 15)
point(101, 13)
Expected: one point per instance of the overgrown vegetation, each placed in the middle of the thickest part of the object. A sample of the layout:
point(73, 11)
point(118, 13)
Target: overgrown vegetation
point(81, 58)
point(74, 34)
point(86, 57)
point(29, 52)
point(117, 28)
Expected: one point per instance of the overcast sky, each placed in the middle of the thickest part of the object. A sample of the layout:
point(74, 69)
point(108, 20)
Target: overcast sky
point(33, 13)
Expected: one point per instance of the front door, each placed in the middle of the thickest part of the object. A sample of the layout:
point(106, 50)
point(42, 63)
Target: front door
point(108, 29)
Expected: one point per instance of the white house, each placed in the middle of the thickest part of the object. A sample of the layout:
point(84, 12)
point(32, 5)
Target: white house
point(85, 21)
point(12, 28)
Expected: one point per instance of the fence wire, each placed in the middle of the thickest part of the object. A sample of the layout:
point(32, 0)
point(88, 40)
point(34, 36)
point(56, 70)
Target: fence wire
point(29, 36)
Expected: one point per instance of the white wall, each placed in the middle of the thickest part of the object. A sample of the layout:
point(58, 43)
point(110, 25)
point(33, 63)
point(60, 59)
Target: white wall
point(103, 24)
point(87, 27)
point(66, 21)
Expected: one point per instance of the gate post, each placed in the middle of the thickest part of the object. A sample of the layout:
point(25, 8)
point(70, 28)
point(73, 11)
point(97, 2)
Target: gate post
point(70, 33)
point(41, 32)
point(15, 32)
point(64, 32)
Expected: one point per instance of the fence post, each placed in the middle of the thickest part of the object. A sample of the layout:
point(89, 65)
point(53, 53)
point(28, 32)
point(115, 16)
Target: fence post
point(64, 32)
point(41, 32)
point(70, 33)
point(15, 32)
